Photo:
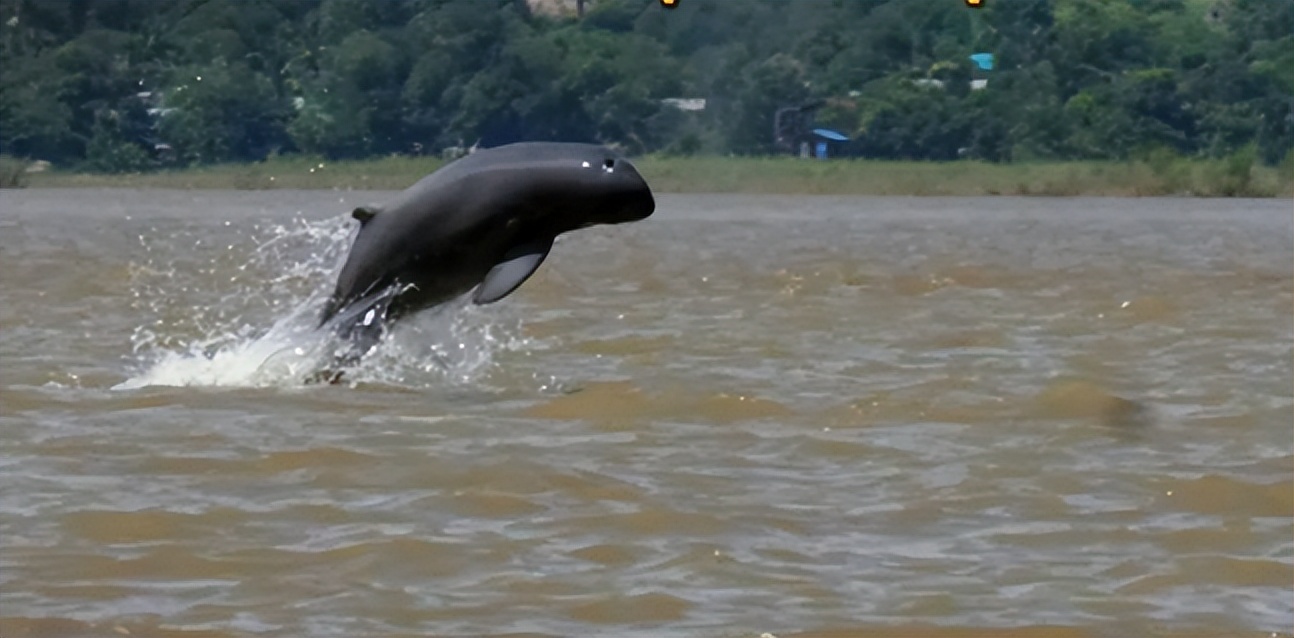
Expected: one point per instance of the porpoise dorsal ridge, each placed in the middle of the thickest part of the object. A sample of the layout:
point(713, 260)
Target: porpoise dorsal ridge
point(365, 213)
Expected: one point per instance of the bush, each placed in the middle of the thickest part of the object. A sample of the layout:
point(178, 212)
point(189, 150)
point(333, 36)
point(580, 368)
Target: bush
point(1171, 170)
point(13, 172)
point(107, 152)
point(1236, 172)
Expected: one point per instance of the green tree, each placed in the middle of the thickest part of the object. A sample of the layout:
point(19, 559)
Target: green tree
point(34, 120)
point(101, 81)
point(778, 81)
point(220, 112)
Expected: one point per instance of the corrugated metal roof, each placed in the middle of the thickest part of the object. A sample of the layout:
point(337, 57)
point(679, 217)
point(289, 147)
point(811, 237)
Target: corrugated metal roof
point(830, 134)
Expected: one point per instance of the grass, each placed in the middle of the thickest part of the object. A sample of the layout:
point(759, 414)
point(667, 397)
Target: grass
point(13, 172)
point(1154, 175)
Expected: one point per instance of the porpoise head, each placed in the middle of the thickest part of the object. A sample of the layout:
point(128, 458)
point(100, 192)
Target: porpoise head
point(555, 188)
point(579, 185)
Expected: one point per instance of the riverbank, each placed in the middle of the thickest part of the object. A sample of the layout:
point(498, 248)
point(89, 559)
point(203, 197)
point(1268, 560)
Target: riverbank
point(1228, 177)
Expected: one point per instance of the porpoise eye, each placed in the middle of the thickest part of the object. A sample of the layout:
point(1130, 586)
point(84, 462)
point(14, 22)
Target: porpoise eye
point(608, 165)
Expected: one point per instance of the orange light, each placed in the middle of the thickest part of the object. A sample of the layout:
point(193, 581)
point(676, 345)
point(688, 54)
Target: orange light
point(669, 4)
point(975, 4)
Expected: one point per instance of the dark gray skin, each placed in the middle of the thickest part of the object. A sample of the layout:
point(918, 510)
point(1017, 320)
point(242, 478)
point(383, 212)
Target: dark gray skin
point(486, 221)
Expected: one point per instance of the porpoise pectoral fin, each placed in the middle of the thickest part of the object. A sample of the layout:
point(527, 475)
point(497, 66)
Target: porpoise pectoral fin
point(365, 213)
point(518, 264)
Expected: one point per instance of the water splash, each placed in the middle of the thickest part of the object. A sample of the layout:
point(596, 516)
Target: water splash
point(279, 275)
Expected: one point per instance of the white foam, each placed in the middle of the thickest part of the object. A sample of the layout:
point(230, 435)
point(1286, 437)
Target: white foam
point(280, 357)
point(285, 280)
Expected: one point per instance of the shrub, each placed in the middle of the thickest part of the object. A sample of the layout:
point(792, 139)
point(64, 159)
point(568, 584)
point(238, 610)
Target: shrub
point(13, 172)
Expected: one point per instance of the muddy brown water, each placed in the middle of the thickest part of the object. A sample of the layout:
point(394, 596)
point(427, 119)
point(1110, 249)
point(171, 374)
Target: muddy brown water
point(832, 416)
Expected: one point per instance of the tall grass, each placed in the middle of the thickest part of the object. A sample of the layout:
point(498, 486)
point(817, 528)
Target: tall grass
point(13, 172)
point(1235, 176)
point(287, 171)
point(1156, 174)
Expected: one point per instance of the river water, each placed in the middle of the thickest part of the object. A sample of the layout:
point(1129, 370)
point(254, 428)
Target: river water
point(792, 415)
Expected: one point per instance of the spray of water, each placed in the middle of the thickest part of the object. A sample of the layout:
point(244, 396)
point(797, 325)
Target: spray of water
point(244, 312)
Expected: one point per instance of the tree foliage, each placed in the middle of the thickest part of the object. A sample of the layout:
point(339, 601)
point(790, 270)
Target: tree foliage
point(128, 84)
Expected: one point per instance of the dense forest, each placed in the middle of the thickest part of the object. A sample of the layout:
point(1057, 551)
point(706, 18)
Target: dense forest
point(124, 85)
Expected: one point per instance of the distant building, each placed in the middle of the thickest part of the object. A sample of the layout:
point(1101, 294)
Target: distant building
point(791, 125)
point(826, 142)
point(931, 83)
point(557, 7)
point(685, 103)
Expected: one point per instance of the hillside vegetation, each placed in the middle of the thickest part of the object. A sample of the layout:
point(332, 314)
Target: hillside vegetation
point(136, 85)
